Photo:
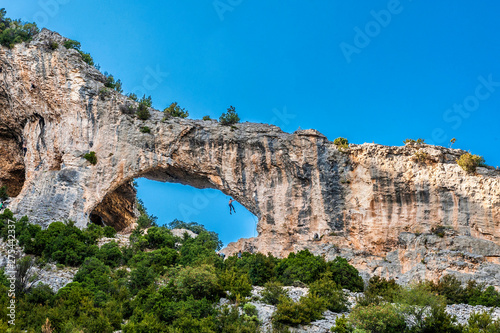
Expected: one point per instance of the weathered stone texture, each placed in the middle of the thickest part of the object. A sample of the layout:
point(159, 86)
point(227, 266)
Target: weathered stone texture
point(298, 185)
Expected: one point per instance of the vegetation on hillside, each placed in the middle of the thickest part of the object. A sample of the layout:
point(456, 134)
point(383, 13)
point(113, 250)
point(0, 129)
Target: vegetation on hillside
point(14, 31)
point(230, 117)
point(164, 283)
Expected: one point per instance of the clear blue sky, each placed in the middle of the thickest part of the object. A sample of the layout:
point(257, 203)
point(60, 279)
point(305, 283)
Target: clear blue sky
point(377, 71)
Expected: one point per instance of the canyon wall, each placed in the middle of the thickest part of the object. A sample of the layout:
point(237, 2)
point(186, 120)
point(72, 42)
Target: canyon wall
point(384, 209)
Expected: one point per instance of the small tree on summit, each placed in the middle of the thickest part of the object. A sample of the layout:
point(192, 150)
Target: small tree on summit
point(174, 110)
point(229, 118)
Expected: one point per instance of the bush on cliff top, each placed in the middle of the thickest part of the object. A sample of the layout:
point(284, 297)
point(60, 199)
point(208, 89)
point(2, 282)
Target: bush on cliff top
point(470, 162)
point(14, 31)
point(229, 118)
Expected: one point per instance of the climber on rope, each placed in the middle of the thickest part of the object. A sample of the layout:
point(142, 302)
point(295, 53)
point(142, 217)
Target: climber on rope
point(231, 206)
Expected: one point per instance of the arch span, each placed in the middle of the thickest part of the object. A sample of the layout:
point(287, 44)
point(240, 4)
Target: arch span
point(298, 185)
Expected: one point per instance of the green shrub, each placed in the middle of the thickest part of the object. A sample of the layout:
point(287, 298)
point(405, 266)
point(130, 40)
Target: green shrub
point(207, 118)
point(421, 156)
point(72, 44)
point(174, 110)
point(342, 325)
point(94, 274)
point(383, 318)
point(418, 141)
point(451, 288)
point(145, 129)
point(341, 143)
point(91, 157)
point(143, 112)
point(14, 31)
point(470, 162)
point(260, 268)
point(440, 321)
point(250, 309)
point(109, 232)
point(229, 118)
point(112, 84)
point(198, 282)
point(387, 289)
point(336, 299)
point(482, 322)
point(110, 254)
point(3, 193)
point(52, 45)
point(307, 309)
point(415, 301)
point(236, 283)
point(345, 275)
point(303, 266)
point(104, 93)
point(228, 320)
point(273, 292)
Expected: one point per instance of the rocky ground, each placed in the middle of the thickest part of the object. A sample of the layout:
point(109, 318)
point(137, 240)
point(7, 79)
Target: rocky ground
point(266, 311)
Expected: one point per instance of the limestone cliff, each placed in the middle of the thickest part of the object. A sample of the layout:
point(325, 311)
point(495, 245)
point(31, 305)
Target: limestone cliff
point(373, 204)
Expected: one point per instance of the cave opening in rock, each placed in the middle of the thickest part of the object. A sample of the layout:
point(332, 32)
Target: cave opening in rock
point(209, 207)
point(172, 194)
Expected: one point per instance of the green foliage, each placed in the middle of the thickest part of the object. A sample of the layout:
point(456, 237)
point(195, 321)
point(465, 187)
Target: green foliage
point(303, 266)
point(143, 109)
point(110, 254)
point(199, 282)
point(439, 230)
point(380, 287)
point(3, 193)
point(73, 44)
point(52, 45)
point(14, 31)
point(91, 157)
point(341, 143)
point(236, 283)
point(307, 309)
point(63, 243)
point(112, 84)
point(229, 118)
point(336, 299)
point(474, 294)
point(440, 321)
point(144, 220)
point(421, 156)
point(345, 275)
point(382, 318)
point(145, 129)
point(174, 110)
point(273, 292)
point(228, 320)
point(342, 325)
point(412, 141)
point(260, 268)
point(470, 162)
point(143, 112)
point(109, 232)
point(415, 301)
point(482, 322)
point(206, 118)
point(94, 274)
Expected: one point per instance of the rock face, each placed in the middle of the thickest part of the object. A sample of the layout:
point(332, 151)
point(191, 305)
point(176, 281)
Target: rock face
point(371, 202)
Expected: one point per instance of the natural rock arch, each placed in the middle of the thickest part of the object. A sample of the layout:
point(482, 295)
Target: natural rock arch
point(298, 185)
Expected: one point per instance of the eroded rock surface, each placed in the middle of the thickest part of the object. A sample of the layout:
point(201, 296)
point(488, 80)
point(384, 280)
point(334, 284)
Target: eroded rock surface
point(363, 204)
